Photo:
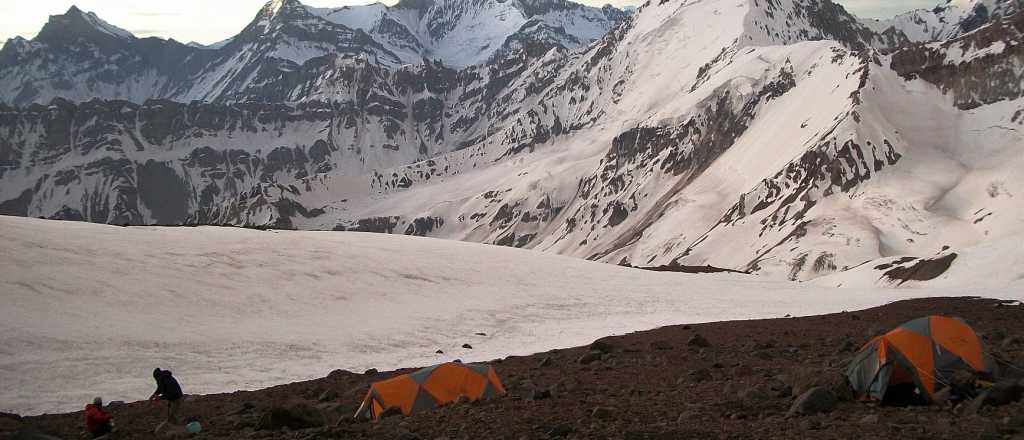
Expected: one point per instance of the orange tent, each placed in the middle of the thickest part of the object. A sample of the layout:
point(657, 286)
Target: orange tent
point(430, 388)
point(924, 352)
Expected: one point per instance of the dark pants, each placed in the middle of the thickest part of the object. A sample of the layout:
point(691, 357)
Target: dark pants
point(102, 430)
point(173, 407)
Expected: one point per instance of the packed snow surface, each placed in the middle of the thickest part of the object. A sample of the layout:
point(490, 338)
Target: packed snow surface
point(92, 309)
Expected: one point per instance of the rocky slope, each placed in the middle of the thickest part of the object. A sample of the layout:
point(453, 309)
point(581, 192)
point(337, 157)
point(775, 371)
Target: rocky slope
point(724, 380)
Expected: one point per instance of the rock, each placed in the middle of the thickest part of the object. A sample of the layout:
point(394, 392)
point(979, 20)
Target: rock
point(940, 397)
point(603, 346)
point(688, 416)
point(1012, 342)
point(700, 376)
point(810, 425)
point(10, 422)
point(408, 436)
point(327, 396)
point(661, 345)
point(31, 434)
point(1003, 393)
point(590, 358)
point(848, 346)
point(480, 334)
point(756, 393)
point(814, 401)
point(545, 362)
point(467, 346)
point(371, 372)
point(763, 355)
point(298, 415)
point(439, 352)
point(539, 394)
point(601, 413)
point(338, 374)
point(871, 419)
point(561, 430)
point(686, 327)
point(698, 341)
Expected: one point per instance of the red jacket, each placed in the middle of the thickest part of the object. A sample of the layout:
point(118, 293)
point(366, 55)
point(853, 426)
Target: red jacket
point(94, 417)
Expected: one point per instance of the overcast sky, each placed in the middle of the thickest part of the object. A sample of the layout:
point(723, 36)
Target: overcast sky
point(209, 21)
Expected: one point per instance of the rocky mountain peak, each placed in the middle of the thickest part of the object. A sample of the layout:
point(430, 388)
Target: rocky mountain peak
point(77, 24)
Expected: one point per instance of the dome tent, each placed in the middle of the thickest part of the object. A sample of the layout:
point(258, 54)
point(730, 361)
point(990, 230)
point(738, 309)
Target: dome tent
point(430, 388)
point(925, 352)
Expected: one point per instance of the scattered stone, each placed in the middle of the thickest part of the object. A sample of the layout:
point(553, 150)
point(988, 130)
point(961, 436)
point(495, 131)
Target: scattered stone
point(661, 345)
point(871, 419)
point(810, 425)
point(481, 334)
point(756, 393)
point(590, 358)
point(814, 401)
point(562, 430)
point(700, 376)
point(467, 346)
point(601, 413)
point(299, 415)
point(371, 372)
point(328, 396)
point(698, 341)
point(848, 346)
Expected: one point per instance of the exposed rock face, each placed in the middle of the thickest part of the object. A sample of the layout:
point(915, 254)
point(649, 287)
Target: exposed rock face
point(77, 56)
point(979, 68)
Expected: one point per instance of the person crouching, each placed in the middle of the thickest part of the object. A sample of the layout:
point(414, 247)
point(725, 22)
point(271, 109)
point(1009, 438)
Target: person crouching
point(167, 389)
point(97, 421)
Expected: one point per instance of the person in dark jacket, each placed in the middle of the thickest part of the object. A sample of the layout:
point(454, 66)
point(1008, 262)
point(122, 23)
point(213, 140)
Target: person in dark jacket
point(97, 421)
point(167, 388)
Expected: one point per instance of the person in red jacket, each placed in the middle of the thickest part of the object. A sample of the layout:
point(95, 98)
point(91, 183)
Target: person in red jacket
point(97, 421)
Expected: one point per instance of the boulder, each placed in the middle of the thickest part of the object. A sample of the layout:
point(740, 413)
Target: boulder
point(756, 393)
point(299, 415)
point(698, 341)
point(814, 401)
point(591, 357)
point(539, 394)
point(603, 346)
point(661, 345)
point(1003, 393)
point(467, 346)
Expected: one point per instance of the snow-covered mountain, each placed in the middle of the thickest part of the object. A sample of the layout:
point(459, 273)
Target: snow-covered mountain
point(77, 56)
point(947, 21)
point(782, 137)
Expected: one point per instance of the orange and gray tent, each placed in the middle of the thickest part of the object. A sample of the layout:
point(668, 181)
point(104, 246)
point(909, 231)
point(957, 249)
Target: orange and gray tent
point(430, 388)
point(925, 352)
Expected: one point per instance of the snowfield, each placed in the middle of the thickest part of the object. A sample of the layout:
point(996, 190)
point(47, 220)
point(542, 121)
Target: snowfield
point(92, 309)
